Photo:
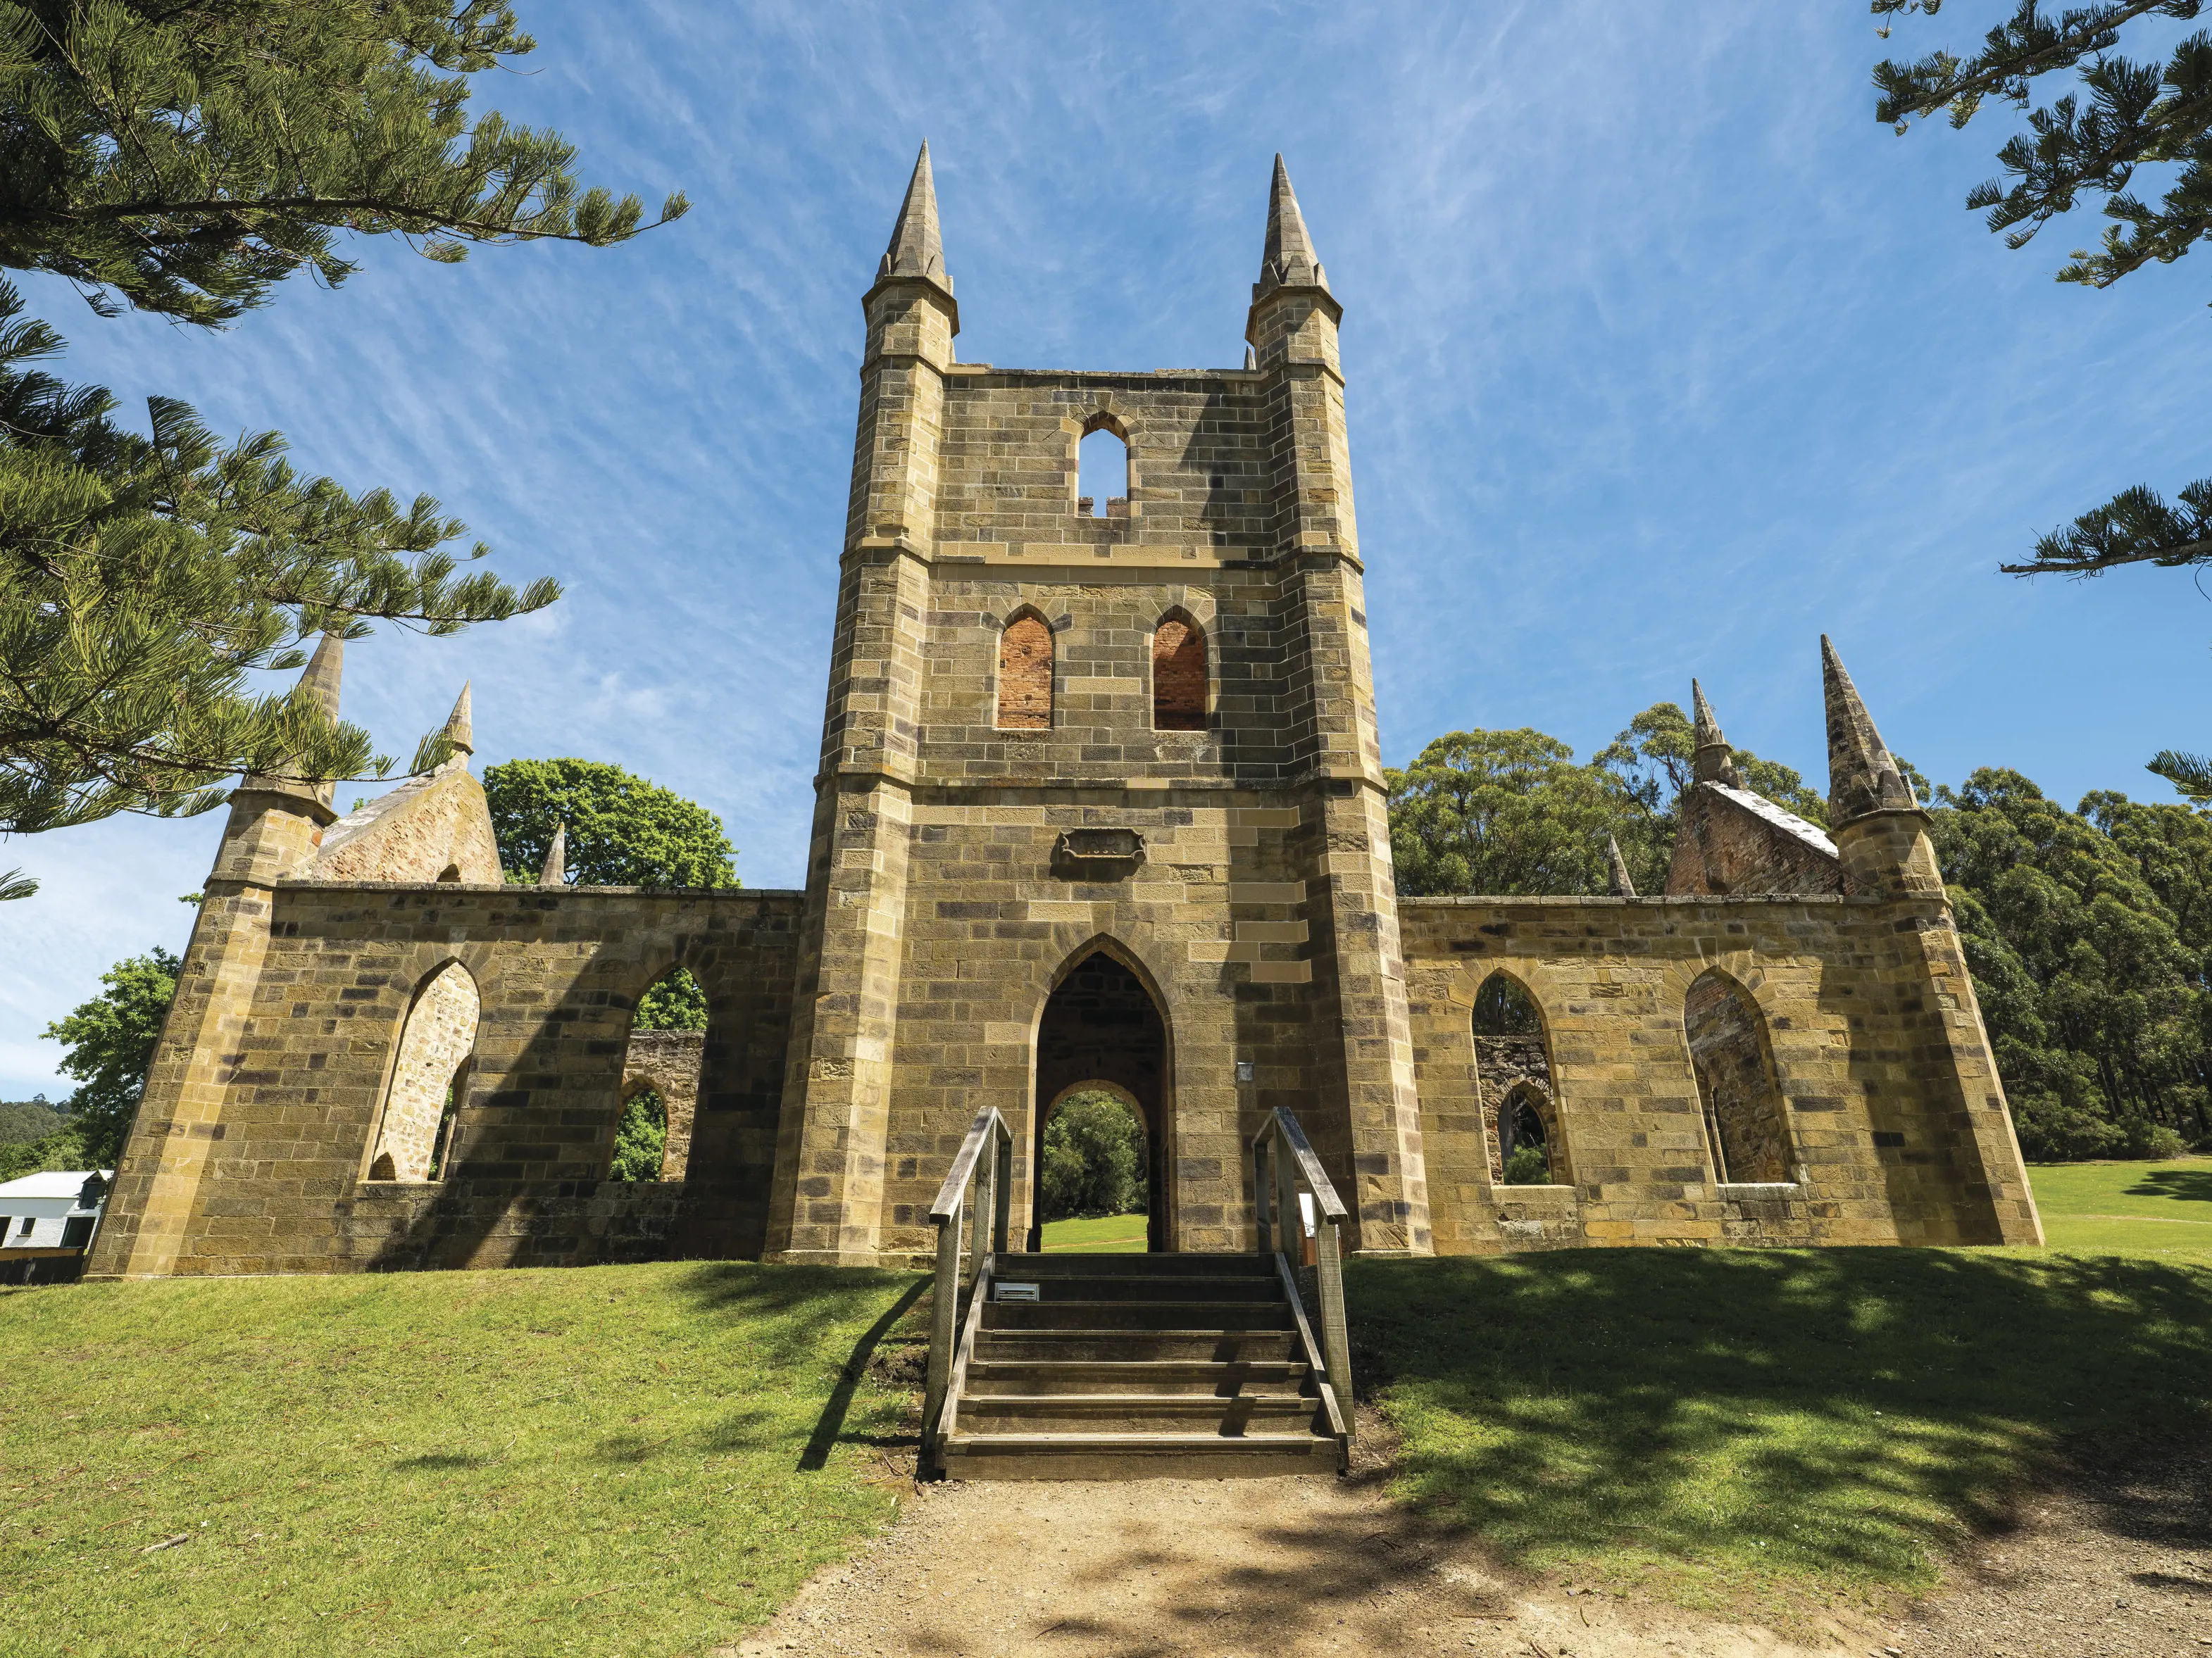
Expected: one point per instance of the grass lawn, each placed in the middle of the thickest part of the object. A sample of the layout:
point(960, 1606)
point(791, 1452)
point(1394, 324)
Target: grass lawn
point(1742, 1428)
point(1108, 1234)
point(2159, 1208)
point(634, 1460)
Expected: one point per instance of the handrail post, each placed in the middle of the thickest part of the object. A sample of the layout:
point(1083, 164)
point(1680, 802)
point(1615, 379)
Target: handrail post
point(1336, 1341)
point(1290, 1214)
point(1263, 1225)
point(944, 1314)
point(979, 1228)
point(1002, 1206)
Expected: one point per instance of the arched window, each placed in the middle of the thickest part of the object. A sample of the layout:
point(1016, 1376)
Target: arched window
point(1025, 674)
point(1102, 473)
point(1513, 1079)
point(451, 873)
point(1178, 675)
point(1524, 1144)
point(1742, 1100)
point(659, 1089)
point(430, 1079)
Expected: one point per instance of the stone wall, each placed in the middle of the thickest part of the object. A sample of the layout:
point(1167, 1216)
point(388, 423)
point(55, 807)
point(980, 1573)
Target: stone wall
point(280, 1187)
point(439, 1034)
point(1890, 1103)
point(668, 1062)
point(432, 828)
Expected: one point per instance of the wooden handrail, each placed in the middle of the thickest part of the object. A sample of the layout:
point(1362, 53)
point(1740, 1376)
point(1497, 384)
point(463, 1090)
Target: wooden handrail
point(950, 1339)
point(1282, 1163)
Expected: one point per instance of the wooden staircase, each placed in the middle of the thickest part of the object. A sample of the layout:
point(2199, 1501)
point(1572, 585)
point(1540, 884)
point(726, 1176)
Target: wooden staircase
point(1190, 1365)
point(1114, 1367)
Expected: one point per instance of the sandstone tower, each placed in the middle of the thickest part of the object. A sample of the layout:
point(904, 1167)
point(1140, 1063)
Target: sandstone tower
point(1100, 795)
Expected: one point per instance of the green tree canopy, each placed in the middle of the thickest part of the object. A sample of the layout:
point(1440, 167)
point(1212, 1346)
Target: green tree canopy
point(109, 1047)
point(1506, 812)
point(2088, 935)
point(1094, 1159)
point(2129, 114)
point(184, 158)
point(620, 830)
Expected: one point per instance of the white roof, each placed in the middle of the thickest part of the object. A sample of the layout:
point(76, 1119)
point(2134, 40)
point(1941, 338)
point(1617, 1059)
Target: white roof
point(55, 1183)
point(1788, 822)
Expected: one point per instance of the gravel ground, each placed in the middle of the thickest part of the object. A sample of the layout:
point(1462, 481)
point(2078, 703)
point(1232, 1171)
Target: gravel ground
point(2120, 1564)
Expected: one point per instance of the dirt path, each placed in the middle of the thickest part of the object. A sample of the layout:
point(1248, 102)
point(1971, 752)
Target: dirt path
point(1212, 1568)
point(2120, 1566)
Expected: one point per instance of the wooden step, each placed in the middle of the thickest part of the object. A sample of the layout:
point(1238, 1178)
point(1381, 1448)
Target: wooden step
point(1172, 1266)
point(1130, 1345)
point(1129, 1286)
point(1185, 1414)
point(1090, 1375)
point(1137, 1315)
point(1136, 1456)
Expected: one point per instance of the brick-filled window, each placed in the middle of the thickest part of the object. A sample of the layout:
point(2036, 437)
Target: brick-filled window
point(1025, 674)
point(1178, 676)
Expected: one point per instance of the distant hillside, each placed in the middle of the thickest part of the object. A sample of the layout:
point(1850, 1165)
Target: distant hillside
point(28, 1120)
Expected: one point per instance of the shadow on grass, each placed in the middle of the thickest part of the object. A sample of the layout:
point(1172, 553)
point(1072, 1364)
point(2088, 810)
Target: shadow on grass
point(1842, 1412)
point(832, 1426)
point(2190, 1185)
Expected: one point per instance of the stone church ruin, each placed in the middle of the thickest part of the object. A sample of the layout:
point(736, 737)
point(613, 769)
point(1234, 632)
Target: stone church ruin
point(1100, 801)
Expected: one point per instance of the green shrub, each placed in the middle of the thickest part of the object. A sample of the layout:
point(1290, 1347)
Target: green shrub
point(2051, 1131)
point(643, 1137)
point(2146, 1138)
point(1528, 1166)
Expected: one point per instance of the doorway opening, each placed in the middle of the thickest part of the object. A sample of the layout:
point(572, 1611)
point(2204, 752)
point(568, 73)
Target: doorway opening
point(1094, 1176)
point(1102, 1049)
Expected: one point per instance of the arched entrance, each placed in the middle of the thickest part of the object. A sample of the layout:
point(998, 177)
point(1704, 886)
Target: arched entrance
point(1102, 1025)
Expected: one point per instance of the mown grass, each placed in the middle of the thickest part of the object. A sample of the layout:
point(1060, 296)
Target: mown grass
point(1738, 1428)
point(635, 1460)
point(1105, 1234)
point(2155, 1208)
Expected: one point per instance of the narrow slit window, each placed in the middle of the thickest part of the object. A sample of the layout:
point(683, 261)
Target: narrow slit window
point(1025, 675)
point(1178, 676)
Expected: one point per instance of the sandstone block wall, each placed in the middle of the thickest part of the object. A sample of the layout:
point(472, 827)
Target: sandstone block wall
point(668, 1062)
point(282, 1187)
point(1885, 1124)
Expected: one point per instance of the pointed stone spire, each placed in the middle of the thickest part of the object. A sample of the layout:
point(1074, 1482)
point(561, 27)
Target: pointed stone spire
point(1711, 759)
point(1616, 870)
point(1288, 261)
point(555, 873)
point(917, 249)
point(458, 728)
point(324, 671)
point(1863, 778)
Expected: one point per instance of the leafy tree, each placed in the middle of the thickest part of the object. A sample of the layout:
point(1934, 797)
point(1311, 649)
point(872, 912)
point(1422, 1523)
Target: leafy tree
point(1510, 812)
point(2130, 113)
point(1094, 1159)
point(641, 1136)
point(24, 1121)
point(184, 158)
point(1528, 1166)
point(109, 1043)
point(619, 830)
point(2087, 936)
point(1501, 811)
point(675, 1001)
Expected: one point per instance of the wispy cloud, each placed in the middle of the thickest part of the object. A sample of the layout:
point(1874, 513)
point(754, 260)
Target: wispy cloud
point(1663, 358)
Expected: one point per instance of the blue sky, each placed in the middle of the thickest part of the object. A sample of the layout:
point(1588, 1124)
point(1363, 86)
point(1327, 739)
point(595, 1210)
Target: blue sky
point(1663, 358)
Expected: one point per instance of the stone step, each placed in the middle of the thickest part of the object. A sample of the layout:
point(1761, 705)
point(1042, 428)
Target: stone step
point(1130, 1346)
point(1136, 1456)
point(1268, 1377)
point(1057, 1413)
point(1137, 1315)
point(1128, 1286)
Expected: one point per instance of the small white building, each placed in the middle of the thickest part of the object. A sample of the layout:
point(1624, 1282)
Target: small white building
point(54, 1211)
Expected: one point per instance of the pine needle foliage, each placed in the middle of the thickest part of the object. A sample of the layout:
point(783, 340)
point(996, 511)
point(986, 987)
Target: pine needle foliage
point(142, 577)
point(184, 156)
point(2130, 113)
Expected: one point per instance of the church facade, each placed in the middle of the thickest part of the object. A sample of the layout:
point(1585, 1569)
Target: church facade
point(1100, 804)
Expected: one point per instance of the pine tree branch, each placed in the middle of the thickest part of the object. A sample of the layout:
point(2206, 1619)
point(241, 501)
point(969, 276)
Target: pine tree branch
point(2137, 526)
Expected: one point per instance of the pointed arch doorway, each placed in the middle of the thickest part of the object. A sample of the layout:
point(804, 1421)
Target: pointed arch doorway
point(1103, 1025)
